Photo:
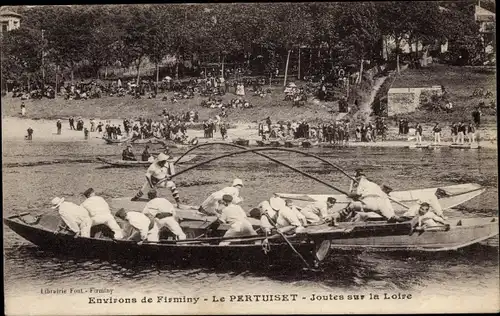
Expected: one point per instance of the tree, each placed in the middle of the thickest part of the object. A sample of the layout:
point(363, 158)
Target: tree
point(360, 33)
point(134, 42)
point(22, 53)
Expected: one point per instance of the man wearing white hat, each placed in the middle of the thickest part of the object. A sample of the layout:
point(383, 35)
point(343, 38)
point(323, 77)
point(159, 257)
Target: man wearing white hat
point(164, 214)
point(158, 171)
point(100, 213)
point(74, 216)
point(276, 213)
point(210, 205)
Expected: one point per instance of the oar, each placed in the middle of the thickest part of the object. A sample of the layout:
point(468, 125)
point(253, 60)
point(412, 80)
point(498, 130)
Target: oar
point(256, 150)
point(288, 150)
point(289, 243)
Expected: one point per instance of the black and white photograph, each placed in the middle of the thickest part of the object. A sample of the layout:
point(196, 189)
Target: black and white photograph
point(250, 158)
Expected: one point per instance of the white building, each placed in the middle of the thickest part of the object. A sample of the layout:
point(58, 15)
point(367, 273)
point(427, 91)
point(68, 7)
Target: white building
point(9, 21)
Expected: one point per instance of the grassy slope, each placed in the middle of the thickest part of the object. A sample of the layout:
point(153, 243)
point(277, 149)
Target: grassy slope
point(460, 83)
point(121, 107)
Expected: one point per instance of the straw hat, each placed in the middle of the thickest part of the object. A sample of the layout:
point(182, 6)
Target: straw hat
point(277, 203)
point(237, 182)
point(163, 157)
point(56, 202)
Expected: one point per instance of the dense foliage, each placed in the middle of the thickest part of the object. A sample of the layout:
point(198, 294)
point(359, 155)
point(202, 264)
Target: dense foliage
point(343, 34)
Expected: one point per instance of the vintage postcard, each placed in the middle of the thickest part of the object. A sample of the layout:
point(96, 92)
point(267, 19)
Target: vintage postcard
point(250, 158)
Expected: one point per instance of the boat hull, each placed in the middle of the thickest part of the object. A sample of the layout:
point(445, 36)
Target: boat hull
point(462, 233)
point(169, 252)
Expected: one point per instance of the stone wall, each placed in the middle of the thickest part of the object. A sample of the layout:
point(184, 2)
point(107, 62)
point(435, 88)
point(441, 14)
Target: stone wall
point(406, 100)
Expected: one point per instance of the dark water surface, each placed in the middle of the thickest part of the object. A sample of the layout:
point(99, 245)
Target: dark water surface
point(66, 169)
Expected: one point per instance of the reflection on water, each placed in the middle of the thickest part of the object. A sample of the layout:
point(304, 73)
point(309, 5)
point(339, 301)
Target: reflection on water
point(400, 169)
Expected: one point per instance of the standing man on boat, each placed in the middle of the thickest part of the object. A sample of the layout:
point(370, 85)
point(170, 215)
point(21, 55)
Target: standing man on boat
point(145, 226)
point(210, 205)
point(369, 197)
point(235, 216)
point(318, 211)
point(159, 170)
point(100, 213)
point(163, 212)
point(74, 216)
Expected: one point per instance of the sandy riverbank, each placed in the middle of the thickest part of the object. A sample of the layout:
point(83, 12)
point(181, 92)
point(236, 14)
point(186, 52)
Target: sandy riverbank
point(14, 128)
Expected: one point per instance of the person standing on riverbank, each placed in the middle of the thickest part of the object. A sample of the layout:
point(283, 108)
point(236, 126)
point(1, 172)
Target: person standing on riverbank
point(437, 133)
point(23, 109)
point(30, 134)
point(461, 132)
point(476, 115)
point(418, 133)
point(59, 127)
point(471, 132)
point(454, 133)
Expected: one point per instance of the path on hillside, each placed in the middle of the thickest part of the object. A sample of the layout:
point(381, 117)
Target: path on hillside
point(365, 108)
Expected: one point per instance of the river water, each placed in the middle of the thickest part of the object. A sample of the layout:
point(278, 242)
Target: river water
point(66, 169)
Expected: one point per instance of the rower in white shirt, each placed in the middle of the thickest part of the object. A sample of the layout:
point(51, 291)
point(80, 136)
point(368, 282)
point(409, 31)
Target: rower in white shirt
point(100, 213)
point(318, 211)
point(236, 217)
point(146, 227)
point(164, 214)
point(427, 216)
point(74, 216)
point(211, 204)
point(287, 220)
point(369, 197)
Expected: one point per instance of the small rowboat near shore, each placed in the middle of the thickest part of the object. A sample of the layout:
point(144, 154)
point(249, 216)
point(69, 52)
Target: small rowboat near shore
point(128, 163)
point(464, 146)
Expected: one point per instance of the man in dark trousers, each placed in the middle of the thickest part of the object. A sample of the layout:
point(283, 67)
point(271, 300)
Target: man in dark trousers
point(72, 123)
point(30, 134)
point(127, 154)
point(476, 115)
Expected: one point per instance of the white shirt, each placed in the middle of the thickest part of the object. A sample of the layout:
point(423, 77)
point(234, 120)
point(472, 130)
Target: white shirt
point(368, 188)
point(96, 205)
point(319, 208)
point(233, 191)
point(264, 221)
point(233, 213)
point(140, 222)
point(159, 205)
point(73, 214)
point(158, 172)
point(287, 217)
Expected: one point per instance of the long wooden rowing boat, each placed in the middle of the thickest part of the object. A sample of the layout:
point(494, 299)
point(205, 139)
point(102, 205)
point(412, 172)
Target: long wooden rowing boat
point(314, 243)
point(128, 163)
point(449, 196)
